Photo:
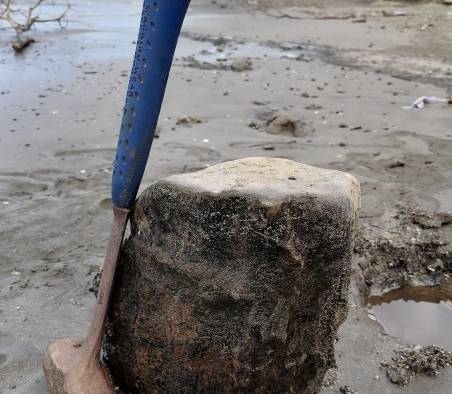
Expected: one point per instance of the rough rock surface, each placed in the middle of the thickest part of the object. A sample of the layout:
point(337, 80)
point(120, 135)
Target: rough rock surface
point(234, 279)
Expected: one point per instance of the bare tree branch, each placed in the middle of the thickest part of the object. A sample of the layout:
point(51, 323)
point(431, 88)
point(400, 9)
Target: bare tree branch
point(27, 19)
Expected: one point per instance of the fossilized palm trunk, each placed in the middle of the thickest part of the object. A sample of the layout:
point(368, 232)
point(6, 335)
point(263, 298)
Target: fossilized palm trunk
point(234, 279)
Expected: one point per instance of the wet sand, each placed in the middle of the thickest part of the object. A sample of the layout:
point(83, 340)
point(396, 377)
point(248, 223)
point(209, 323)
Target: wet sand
point(60, 105)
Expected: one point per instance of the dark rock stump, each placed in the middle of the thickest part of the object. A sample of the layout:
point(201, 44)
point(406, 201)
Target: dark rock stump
point(234, 280)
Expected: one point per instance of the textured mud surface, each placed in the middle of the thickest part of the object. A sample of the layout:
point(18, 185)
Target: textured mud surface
point(60, 106)
point(417, 251)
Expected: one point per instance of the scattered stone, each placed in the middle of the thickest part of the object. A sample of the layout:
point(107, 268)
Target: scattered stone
point(313, 107)
point(347, 390)
point(241, 65)
point(235, 277)
point(410, 361)
point(396, 164)
point(287, 123)
point(188, 121)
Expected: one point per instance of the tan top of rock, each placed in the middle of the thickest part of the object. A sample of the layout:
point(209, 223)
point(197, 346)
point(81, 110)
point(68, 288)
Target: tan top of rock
point(271, 180)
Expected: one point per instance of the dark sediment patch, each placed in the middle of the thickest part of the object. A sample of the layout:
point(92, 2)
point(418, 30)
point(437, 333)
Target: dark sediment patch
point(415, 252)
point(410, 361)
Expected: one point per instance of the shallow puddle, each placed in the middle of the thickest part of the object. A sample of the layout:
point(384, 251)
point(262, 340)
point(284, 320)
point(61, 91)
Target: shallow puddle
point(207, 52)
point(419, 315)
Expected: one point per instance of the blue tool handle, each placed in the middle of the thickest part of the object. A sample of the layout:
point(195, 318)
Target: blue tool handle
point(161, 22)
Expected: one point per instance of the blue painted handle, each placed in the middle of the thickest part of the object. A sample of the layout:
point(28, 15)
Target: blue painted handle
point(161, 22)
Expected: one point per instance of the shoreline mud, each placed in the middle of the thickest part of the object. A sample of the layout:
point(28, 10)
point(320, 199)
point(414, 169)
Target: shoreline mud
point(326, 85)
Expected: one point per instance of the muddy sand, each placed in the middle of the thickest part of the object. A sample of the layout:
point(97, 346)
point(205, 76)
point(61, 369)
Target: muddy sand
point(323, 83)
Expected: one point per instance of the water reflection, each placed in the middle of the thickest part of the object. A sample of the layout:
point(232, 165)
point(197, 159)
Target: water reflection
point(419, 315)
